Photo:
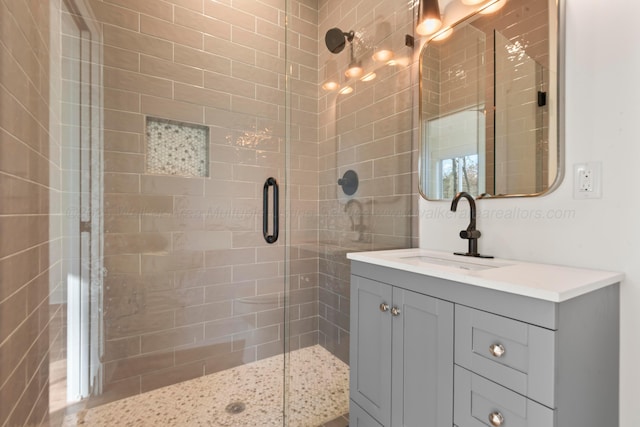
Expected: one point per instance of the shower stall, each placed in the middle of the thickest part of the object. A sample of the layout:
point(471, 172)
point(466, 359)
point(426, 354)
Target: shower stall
point(177, 200)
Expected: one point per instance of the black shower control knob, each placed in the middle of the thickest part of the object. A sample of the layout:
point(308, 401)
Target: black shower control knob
point(349, 182)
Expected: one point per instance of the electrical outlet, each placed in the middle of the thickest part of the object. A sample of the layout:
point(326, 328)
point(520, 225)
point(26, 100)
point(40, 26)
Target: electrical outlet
point(587, 180)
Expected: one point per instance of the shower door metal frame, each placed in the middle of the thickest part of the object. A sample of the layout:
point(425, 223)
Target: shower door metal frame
point(84, 290)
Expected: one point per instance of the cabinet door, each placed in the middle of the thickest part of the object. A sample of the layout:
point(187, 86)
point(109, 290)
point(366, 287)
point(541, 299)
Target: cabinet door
point(422, 371)
point(359, 418)
point(370, 347)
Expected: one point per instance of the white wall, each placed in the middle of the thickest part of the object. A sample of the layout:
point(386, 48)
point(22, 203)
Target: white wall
point(602, 113)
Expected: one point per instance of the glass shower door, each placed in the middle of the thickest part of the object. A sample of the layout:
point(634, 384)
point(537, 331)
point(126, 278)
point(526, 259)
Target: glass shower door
point(171, 300)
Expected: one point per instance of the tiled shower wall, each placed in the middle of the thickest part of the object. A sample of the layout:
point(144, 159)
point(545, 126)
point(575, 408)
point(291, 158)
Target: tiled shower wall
point(178, 251)
point(302, 42)
point(371, 132)
point(191, 286)
point(25, 166)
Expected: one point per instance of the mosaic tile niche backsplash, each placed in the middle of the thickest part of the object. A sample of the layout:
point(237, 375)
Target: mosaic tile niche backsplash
point(176, 148)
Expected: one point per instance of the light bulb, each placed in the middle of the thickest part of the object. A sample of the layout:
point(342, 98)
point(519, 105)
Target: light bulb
point(330, 85)
point(430, 17)
point(429, 26)
point(354, 71)
point(471, 2)
point(383, 55)
point(345, 90)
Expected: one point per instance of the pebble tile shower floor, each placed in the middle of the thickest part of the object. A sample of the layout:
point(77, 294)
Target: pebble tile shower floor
point(319, 394)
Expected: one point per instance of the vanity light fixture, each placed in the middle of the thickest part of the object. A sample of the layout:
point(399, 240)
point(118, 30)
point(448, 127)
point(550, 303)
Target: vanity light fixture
point(430, 19)
point(454, 12)
point(345, 90)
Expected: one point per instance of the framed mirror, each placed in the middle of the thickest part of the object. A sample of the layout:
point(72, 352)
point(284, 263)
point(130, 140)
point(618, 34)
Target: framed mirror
point(489, 104)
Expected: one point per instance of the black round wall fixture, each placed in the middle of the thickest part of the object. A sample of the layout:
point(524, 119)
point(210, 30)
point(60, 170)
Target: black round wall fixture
point(349, 182)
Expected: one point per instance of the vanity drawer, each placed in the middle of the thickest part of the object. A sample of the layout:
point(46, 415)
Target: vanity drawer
point(514, 354)
point(478, 400)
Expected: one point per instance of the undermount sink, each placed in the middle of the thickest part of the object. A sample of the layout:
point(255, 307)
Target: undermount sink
point(454, 263)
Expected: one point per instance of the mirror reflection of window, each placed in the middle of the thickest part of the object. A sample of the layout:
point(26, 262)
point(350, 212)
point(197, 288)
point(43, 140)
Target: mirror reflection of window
point(456, 149)
point(458, 174)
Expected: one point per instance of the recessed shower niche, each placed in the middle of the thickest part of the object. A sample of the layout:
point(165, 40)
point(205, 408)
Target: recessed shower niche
point(177, 148)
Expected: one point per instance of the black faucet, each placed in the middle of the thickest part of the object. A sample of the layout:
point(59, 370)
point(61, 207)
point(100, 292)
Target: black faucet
point(470, 233)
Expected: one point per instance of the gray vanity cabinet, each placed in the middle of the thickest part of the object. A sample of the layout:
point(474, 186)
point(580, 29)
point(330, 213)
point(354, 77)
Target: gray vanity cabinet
point(401, 360)
point(432, 352)
point(359, 418)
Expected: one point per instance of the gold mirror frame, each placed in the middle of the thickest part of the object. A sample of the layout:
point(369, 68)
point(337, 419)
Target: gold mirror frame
point(555, 16)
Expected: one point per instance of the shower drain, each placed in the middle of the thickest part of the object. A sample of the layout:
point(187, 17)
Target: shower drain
point(235, 407)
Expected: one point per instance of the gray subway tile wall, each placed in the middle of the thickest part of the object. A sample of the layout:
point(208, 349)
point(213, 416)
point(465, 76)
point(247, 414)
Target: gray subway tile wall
point(191, 287)
point(27, 197)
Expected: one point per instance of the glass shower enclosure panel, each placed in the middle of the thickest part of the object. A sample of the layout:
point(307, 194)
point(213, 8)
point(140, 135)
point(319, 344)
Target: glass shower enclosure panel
point(172, 139)
point(175, 128)
point(366, 131)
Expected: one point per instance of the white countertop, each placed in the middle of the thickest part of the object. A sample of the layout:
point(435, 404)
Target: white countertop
point(543, 281)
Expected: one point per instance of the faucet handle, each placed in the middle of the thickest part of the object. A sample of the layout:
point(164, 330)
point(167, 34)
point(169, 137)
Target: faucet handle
point(470, 234)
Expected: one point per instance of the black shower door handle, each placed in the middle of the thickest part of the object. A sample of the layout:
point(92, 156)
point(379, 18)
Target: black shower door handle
point(270, 182)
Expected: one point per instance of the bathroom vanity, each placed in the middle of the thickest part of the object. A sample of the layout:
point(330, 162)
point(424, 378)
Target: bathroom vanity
point(441, 340)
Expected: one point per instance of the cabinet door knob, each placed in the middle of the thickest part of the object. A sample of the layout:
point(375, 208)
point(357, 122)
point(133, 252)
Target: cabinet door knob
point(496, 419)
point(395, 311)
point(384, 307)
point(496, 350)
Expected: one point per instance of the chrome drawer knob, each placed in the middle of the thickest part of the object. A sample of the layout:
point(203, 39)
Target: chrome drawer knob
point(384, 307)
point(496, 350)
point(395, 311)
point(496, 419)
